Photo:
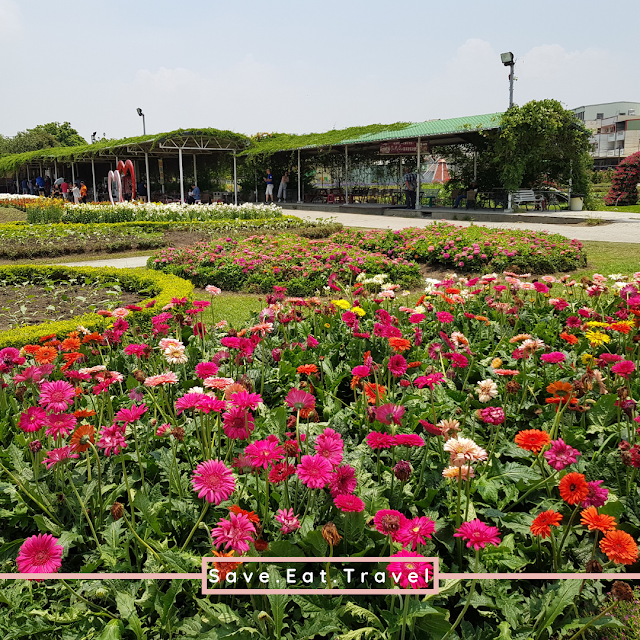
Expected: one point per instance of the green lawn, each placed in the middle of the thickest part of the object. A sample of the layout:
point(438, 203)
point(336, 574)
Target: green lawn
point(9, 214)
point(611, 257)
point(235, 308)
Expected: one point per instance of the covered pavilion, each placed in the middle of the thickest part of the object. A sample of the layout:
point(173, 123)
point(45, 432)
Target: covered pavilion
point(413, 140)
point(157, 147)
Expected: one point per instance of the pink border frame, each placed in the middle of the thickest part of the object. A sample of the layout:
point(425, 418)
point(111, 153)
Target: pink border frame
point(298, 559)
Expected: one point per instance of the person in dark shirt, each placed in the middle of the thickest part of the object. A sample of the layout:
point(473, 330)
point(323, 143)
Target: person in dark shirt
point(269, 191)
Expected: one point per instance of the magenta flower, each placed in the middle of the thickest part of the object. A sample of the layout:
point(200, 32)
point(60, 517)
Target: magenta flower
point(60, 424)
point(206, 370)
point(236, 532)
point(416, 531)
point(492, 415)
point(458, 361)
point(555, 357)
point(131, 415)
point(430, 381)
point(237, 424)
point(41, 553)
point(478, 534)
point(288, 520)
point(112, 439)
point(314, 471)
point(32, 419)
point(343, 480)
point(262, 453)
point(139, 350)
point(380, 440)
point(187, 401)
point(409, 575)
point(561, 455)
point(409, 440)
point(245, 400)
point(348, 503)
point(624, 368)
point(34, 374)
point(573, 322)
point(299, 400)
point(312, 342)
point(397, 365)
point(56, 396)
point(329, 445)
point(59, 455)
point(390, 413)
point(361, 371)
point(444, 316)
point(388, 522)
point(213, 481)
point(597, 495)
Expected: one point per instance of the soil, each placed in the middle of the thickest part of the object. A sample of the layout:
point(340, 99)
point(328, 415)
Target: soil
point(35, 304)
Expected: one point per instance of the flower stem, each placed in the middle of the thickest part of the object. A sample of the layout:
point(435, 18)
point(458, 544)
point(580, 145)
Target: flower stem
point(84, 509)
point(196, 525)
point(91, 604)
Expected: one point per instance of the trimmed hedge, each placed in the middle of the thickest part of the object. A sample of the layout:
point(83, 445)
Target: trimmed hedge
point(161, 288)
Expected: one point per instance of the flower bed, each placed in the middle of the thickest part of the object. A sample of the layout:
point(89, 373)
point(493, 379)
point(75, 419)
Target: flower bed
point(259, 263)
point(489, 424)
point(473, 248)
point(161, 288)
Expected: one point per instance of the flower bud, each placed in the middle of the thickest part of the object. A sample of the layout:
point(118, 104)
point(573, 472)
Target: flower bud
point(622, 591)
point(117, 510)
point(35, 446)
point(330, 534)
point(402, 470)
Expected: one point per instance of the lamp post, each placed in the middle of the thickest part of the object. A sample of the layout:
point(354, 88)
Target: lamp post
point(144, 128)
point(509, 61)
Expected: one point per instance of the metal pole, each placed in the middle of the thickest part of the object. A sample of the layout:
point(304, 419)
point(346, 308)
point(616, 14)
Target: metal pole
point(475, 164)
point(195, 173)
point(73, 173)
point(299, 182)
point(93, 173)
point(144, 126)
point(235, 180)
point(570, 183)
point(255, 176)
point(181, 175)
point(513, 65)
point(418, 149)
point(146, 166)
point(346, 174)
point(55, 169)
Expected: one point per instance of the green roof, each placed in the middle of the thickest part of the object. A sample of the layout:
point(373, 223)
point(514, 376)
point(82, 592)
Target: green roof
point(159, 142)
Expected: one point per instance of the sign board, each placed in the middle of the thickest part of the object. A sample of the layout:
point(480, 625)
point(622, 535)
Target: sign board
point(399, 148)
point(161, 169)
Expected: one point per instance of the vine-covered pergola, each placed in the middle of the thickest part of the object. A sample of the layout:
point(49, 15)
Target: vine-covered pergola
point(399, 138)
point(171, 145)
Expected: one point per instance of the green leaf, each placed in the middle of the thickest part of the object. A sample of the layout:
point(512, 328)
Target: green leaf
point(505, 631)
point(126, 604)
point(136, 626)
point(364, 633)
point(320, 625)
point(169, 608)
point(112, 631)
point(277, 601)
point(361, 613)
point(601, 413)
point(563, 596)
point(47, 526)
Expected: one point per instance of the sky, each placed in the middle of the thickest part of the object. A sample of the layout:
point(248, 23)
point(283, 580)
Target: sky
point(300, 67)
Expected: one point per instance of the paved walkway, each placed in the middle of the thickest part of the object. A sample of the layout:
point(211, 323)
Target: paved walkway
point(625, 229)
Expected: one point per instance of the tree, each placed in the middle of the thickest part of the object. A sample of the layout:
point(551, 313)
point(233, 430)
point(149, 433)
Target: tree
point(624, 184)
point(44, 136)
point(64, 133)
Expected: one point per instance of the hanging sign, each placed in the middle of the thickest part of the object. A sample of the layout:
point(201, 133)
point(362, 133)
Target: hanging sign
point(399, 148)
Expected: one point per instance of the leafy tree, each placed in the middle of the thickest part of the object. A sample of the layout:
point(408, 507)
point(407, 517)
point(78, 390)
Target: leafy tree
point(64, 133)
point(43, 136)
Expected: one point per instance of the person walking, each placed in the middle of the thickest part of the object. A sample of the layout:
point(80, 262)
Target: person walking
point(282, 189)
point(410, 184)
point(269, 190)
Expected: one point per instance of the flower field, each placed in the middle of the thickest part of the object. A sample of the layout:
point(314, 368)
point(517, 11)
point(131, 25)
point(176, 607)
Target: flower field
point(304, 266)
point(491, 423)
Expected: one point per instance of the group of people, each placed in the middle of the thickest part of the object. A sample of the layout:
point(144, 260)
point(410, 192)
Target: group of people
point(282, 189)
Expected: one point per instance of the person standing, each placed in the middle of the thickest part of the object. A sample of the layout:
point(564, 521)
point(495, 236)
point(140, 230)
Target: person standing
point(25, 187)
point(83, 192)
point(269, 191)
point(410, 184)
point(282, 189)
point(64, 189)
point(76, 194)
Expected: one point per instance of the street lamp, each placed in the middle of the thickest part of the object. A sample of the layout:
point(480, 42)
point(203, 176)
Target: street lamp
point(93, 137)
point(144, 128)
point(509, 61)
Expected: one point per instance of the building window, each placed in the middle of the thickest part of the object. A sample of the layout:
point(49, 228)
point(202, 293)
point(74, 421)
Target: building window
point(631, 112)
point(599, 116)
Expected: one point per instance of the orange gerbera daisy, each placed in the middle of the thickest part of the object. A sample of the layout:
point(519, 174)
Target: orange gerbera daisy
point(482, 319)
point(595, 521)
point(225, 567)
point(307, 369)
point(51, 336)
point(354, 382)
point(70, 344)
point(568, 337)
point(619, 546)
point(81, 437)
point(574, 488)
point(399, 344)
point(541, 526)
point(69, 359)
point(31, 349)
point(520, 337)
point(559, 389)
point(532, 439)
point(252, 515)
point(45, 355)
point(413, 365)
point(92, 337)
point(84, 413)
point(374, 392)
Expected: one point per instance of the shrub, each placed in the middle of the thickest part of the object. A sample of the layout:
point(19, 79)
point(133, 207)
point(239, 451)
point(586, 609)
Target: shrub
point(159, 287)
point(624, 184)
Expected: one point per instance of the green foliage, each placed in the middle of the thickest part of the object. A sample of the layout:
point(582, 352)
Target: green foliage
point(44, 136)
point(160, 287)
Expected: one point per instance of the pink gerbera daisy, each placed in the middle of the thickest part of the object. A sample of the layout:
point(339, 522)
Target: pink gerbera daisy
point(246, 400)
point(348, 503)
point(390, 413)
point(361, 371)
point(409, 440)
point(329, 445)
point(397, 365)
point(131, 415)
point(380, 440)
point(217, 383)
point(343, 480)
point(56, 396)
point(314, 471)
point(561, 455)
point(299, 400)
point(555, 357)
point(59, 455)
point(60, 424)
point(409, 575)
point(169, 377)
point(41, 553)
point(262, 453)
point(597, 495)
point(624, 368)
point(478, 534)
point(206, 369)
point(414, 532)
point(112, 439)
point(388, 522)
point(213, 481)
point(288, 520)
point(238, 424)
point(236, 532)
point(32, 419)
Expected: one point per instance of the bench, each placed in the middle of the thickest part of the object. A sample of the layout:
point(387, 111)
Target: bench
point(526, 196)
point(428, 196)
